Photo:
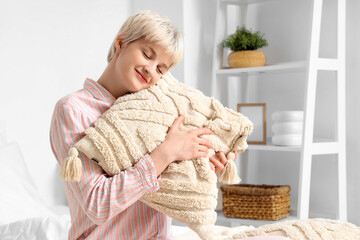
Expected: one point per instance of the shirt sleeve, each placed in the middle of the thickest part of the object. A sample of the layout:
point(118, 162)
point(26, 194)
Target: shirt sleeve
point(101, 197)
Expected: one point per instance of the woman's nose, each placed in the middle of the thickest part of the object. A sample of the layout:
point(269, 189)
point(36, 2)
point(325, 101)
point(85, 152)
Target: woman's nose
point(149, 69)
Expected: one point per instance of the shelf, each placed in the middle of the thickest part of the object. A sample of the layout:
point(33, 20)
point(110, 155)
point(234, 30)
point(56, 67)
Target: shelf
point(319, 146)
point(308, 70)
point(234, 222)
point(270, 147)
point(296, 66)
point(237, 2)
point(221, 220)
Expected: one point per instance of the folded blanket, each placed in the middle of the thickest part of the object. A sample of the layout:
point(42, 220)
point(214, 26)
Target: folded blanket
point(137, 123)
point(310, 229)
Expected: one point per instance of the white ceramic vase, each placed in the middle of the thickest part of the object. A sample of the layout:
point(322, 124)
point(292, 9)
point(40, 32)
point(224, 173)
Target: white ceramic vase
point(287, 128)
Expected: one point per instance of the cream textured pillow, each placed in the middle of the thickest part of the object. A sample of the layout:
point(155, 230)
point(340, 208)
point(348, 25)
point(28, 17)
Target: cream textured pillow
point(309, 229)
point(137, 123)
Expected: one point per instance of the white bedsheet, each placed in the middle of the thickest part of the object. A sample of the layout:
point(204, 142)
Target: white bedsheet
point(52, 228)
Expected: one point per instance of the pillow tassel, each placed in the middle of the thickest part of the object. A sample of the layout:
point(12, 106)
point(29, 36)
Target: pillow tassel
point(71, 168)
point(229, 174)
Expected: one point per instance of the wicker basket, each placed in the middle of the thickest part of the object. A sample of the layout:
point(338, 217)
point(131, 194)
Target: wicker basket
point(261, 202)
point(245, 59)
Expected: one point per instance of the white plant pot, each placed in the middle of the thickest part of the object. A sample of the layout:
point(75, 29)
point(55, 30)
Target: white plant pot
point(287, 140)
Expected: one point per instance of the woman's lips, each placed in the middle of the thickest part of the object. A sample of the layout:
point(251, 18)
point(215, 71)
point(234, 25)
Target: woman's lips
point(142, 78)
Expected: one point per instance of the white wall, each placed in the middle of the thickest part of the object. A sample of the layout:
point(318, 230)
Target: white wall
point(47, 49)
point(199, 33)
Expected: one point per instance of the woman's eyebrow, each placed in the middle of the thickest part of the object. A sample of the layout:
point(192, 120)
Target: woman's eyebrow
point(165, 66)
point(152, 50)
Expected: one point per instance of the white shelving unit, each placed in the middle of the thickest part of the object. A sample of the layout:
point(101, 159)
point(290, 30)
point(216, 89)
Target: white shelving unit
point(274, 68)
point(310, 66)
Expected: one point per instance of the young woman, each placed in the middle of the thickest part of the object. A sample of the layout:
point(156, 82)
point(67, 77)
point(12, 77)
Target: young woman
point(104, 207)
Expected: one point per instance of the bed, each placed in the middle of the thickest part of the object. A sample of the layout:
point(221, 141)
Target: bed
point(25, 215)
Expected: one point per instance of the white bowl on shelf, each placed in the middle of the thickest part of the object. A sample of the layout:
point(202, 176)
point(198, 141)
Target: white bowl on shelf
point(283, 128)
point(288, 116)
point(287, 140)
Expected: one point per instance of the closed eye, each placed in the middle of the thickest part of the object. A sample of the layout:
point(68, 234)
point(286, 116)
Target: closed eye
point(160, 70)
point(146, 56)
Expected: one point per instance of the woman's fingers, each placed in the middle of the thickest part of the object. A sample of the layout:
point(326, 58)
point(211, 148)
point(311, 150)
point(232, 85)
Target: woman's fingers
point(222, 157)
point(188, 144)
point(203, 149)
point(235, 152)
point(205, 142)
point(201, 131)
point(177, 122)
point(218, 165)
point(212, 166)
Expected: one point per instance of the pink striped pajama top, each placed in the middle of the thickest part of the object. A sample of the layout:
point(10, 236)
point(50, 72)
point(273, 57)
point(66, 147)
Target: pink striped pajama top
point(103, 207)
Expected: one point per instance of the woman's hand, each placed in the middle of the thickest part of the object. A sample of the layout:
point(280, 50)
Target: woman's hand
point(187, 145)
point(181, 145)
point(217, 166)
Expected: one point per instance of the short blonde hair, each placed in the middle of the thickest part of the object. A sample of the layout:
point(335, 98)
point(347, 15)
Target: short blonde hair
point(153, 27)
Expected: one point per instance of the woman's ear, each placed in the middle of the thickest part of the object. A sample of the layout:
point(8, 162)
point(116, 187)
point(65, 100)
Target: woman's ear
point(118, 44)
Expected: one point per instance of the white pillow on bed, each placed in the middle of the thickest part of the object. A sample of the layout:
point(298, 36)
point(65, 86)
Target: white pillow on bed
point(19, 197)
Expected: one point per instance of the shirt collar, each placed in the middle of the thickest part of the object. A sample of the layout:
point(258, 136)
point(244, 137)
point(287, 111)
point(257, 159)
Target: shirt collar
point(98, 91)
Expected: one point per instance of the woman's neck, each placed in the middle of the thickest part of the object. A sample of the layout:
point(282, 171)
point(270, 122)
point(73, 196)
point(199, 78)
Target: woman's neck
point(110, 82)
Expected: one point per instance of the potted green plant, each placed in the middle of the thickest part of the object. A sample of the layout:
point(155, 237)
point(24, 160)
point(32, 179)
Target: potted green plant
point(244, 44)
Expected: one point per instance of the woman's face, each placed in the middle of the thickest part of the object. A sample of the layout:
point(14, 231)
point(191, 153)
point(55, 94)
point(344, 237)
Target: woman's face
point(140, 65)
